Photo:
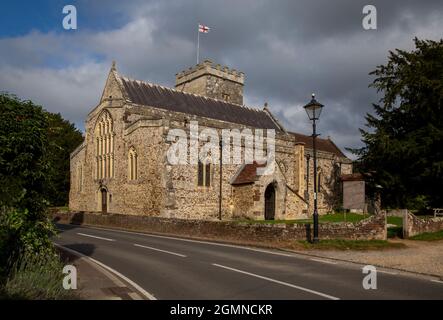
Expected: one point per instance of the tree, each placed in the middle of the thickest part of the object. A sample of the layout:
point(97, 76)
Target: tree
point(34, 172)
point(23, 150)
point(403, 147)
point(23, 171)
point(63, 138)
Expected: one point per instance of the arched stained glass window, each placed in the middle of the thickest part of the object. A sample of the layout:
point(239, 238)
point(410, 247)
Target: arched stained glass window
point(104, 140)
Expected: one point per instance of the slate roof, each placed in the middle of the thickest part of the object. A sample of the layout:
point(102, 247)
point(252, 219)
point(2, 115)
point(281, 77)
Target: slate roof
point(325, 145)
point(148, 94)
point(248, 174)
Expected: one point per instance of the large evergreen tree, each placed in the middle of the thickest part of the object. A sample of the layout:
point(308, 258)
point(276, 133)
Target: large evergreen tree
point(403, 150)
point(63, 138)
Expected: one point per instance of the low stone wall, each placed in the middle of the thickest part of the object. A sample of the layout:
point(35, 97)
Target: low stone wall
point(368, 229)
point(413, 225)
point(395, 213)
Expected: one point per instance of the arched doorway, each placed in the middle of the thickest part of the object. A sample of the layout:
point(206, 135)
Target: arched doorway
point(104, 200)
point(270, 202)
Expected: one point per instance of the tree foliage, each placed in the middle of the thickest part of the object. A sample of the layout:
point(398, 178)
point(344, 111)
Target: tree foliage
point(23, 173)
point(403, 152)
point(34, 172)
point(63, 138)
point(23, 155)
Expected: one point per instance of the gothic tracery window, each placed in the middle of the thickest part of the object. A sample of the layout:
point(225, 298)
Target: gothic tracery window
point(132, 164)
point(80, 178)
point(104, 140)
point(204, 174)
point(319, 179)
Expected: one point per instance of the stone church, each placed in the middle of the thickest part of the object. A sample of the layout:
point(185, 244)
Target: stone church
point(122, 167)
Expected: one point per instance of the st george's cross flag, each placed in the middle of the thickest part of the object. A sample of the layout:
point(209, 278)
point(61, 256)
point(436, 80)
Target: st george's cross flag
point(203, 29)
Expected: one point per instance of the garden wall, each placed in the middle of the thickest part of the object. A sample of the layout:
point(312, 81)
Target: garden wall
point(368, 229)
point(413, 225)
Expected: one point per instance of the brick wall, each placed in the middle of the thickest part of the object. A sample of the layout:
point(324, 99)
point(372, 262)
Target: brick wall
point(368, 229)
point(413, 225)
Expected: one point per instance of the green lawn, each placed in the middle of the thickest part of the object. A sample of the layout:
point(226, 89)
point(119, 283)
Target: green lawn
point(429, 236)
point(338, 217)
point(267, 221)
point(328, 218)
point(398, 221)
point(397, 231)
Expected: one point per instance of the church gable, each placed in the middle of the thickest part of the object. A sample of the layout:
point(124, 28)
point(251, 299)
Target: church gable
point(113, 89)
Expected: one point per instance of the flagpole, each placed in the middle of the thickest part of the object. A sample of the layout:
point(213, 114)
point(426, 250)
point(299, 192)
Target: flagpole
point(198, 43)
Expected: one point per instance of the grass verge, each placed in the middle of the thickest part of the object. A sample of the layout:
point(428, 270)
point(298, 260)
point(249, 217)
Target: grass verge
point(351, 245)
point(428, 236)
point(36, 278)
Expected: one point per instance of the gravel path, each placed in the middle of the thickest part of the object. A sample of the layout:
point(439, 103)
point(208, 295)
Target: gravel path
point(419, 256)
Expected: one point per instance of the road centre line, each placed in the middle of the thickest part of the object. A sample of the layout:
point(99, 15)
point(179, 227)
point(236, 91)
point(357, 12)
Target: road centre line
point(196, 241)
point(160, 250)
point(96, 237)
point(278, 282)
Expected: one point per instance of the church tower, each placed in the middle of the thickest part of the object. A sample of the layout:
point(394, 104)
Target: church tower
point(212, 81)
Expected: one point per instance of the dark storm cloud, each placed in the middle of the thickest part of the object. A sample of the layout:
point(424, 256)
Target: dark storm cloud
point(290, 48)
point(287, 49)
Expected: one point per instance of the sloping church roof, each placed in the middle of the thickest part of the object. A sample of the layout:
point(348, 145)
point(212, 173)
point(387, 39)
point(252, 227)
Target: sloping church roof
point(247, 174)
point(148, 94)
point(326, 145)
point(144, 93)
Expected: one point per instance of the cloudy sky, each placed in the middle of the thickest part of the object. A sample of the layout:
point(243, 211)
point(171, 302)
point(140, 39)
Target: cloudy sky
point(287, 49)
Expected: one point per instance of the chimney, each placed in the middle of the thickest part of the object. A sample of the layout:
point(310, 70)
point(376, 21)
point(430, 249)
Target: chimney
point(212, 81)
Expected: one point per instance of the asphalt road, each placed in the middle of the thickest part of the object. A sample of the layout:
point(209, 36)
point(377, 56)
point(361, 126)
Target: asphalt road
point(175, 268)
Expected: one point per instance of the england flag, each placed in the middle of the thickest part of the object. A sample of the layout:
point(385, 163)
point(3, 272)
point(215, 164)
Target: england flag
point(203, 29)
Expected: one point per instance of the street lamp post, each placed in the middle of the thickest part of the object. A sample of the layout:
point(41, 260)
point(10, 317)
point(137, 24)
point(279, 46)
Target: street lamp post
point(313, 109)
point(220, 182)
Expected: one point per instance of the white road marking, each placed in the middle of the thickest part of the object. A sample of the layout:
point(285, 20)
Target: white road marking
point(96, 237)
point(438, 281)
point(388, 272)
point(115, 272)
point(155, 249)
point(134, 296)
point(279, 282)
point(197, 241)
point(323, 261)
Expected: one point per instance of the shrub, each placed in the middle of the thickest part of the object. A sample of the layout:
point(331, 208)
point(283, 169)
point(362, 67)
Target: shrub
point(36, 277)
point(20, 235)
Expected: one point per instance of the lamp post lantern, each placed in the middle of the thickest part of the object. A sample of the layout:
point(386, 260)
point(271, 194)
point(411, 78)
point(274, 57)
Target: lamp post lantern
point(313, 109)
